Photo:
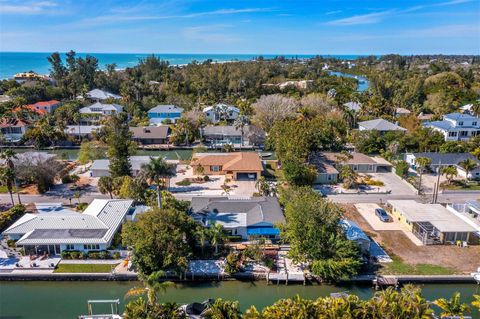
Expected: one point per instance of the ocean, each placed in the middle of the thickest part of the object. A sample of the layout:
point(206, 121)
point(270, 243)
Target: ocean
point(15, 62)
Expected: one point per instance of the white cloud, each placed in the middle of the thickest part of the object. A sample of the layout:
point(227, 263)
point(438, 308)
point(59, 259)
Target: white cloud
point(209, 33)
point(28, 8)
point(333, 12)
point(361, 19)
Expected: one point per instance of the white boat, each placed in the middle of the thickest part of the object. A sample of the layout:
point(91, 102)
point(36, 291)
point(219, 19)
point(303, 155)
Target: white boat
point(114, 305)
point(476, 275)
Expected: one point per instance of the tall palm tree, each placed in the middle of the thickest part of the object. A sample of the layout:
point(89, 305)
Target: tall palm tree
point(450, 172)
point(217, 235)
point(106, 185)
point(240, 122)
point(422, 163)
point(6, 179)
point(8, 156)
point(151, 286)
point(263, 187)
point(452, 307)
point(202, 236)
point(468, 165)
point(157, 170)
point(476, 108)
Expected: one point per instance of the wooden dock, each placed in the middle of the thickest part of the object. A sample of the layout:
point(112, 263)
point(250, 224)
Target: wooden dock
point(385, 281)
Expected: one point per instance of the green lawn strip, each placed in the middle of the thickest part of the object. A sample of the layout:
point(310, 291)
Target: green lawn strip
point(84, 268)
point(4, 189)
point(398, 267)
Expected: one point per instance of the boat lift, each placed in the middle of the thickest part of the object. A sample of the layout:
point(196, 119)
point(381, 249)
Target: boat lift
point(114, 303)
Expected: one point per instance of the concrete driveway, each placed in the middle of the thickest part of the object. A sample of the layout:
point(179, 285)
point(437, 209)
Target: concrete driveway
point(394, 183)
point(367, 210)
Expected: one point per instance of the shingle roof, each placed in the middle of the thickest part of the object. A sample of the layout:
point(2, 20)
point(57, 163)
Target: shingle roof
point(9, 122)
point(166, 109)
point(221, 130)
point(380, 125)
point(238, 212)
point(146, 132)
point(238, 161)
point(446, 158)
point(357, 158)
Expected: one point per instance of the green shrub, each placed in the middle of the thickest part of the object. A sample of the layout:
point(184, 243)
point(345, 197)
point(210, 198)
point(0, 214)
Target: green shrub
point(401, 169)
point(206, 178)
point(11, 243)
point(184, 182)
point(70, 178)
point(9, 217)
point(269, 263)
point(81, 207)
point(116, 255)
point(232, 264)
point(75, 254)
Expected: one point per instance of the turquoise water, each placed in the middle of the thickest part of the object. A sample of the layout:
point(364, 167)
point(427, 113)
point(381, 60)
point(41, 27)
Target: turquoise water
point(362, 81)
point(15, 62)
point(39, 300)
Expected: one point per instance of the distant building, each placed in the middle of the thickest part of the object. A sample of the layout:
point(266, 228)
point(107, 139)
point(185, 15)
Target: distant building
point(101, 168)
point(82, 130)
point(353, 106)
point(97, 111)
point(456, 126)
point(51, 231)
point(215, 113)
point(445, 159)
point(160, 113)
point(217, 136)
point(13, 129)
point(380, 125)
point(41, 108)
point(247, 218)
point(425, 117)
point(148, 135)
point(236, 165)
point(400, 111)
point(101, 95)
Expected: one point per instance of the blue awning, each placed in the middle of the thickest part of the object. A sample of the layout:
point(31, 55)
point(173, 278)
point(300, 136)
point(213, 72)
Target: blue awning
point(263, 231)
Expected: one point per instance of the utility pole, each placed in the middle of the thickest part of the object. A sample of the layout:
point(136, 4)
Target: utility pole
point(437, 184)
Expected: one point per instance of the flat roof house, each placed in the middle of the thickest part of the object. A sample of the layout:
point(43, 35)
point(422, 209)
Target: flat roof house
point(456, 126)
point(380, 125)
point(55, 231)
point(160, 113)
point(432, 223)
point(217, 136)
point(101, 95)
point(148, 135)
point(221, 111)
point(253, 217)
point(236, 165)
point(13, 129)
point(100, 167)
point(445, 159)
point(82, 130)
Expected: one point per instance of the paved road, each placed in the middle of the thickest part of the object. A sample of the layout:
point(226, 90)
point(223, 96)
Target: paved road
point(449, 197)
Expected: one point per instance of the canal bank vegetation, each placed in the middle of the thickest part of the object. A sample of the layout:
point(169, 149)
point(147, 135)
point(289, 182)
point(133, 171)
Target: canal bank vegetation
point(84, 268)
point(407, 302)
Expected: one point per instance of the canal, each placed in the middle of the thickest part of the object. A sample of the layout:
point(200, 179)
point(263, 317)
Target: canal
point(362, 81)
point(42, 300)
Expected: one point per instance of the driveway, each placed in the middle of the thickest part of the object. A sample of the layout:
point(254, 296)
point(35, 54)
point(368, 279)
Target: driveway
point(394, 183)
point(367, 210)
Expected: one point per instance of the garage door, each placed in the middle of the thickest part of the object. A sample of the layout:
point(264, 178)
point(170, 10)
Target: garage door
point(246, 176)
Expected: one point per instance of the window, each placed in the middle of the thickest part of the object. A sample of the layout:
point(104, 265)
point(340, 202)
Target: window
point(463, 133)
point(215, 168)
point(91, 247)
point(474, 123)
point(452, 134)
point(460, 123)
point(70, 247)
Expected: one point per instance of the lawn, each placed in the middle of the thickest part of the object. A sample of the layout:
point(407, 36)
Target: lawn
point(461, 185)
point(4, 190)
point(398, 267)
point(84, 268)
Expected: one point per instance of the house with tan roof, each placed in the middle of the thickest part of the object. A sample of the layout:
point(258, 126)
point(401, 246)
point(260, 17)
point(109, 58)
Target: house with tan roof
point(236, 166)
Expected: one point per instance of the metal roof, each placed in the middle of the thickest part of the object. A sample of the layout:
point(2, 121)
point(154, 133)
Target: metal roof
point(98, 94)
point(102, 107)
point(380, 125)
point(166, 109)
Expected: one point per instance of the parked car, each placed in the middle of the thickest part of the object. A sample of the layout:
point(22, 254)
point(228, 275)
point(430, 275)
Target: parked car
point(382, 215)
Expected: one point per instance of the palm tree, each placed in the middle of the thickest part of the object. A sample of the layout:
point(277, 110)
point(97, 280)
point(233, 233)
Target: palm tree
point(202, 236)
point(217, 235)
point(223, 309)
point(226, 189)
point(468, 165)
point(263, 187)
point(156, 171)
point(228, 148)
point(77, 195)
point(8, 156)
point(240, 122)
point(152, 286)
point(450, 172)
point(6, 178)
point(106, 185)
point(476, 108)
point(422, 163)
point(452, 307)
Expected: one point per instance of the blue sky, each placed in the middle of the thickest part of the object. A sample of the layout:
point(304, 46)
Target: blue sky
point(242, 26)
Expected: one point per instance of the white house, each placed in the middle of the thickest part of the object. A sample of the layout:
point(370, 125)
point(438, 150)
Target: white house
point(13, 129)
point(101, 95)
point(52, 232)
point(82, 130)
point(446, 159)
point(456, 126)
point(246, 218)
point(91, 114)
point(220, 112)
